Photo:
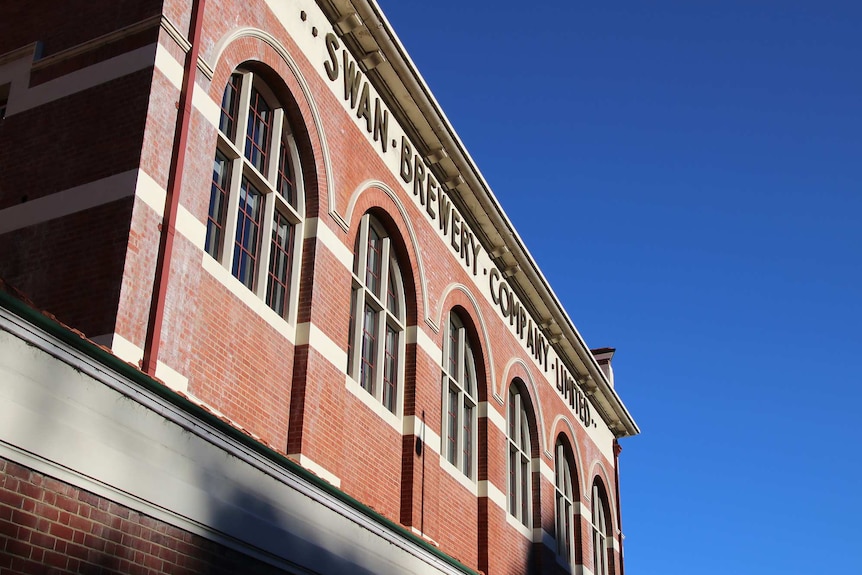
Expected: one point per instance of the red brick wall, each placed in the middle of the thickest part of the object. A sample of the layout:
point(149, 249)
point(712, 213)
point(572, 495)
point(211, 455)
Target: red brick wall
point(47, 526)
point(293, 398)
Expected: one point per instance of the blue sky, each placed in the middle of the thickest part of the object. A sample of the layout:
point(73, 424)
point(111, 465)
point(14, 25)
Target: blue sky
point(688, 176)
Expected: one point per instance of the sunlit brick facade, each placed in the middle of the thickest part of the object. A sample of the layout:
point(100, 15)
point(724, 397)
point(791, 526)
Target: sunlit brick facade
point(313, 341)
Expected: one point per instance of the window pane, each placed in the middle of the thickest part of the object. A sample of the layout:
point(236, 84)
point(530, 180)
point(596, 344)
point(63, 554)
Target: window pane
point(257, 133)
point(285, 184)
point(373, 264)
point(350, 335)
point(278, 284)
point(512, 417)
point(513, 480)
point(390, 377)
point(469, 372)
point(247, 234)
point(366, 375)
point(468, 441)
point(453, 348)
point(229, 104)
point(452, 429)
point(392, 292)
point(373, 288)
point(566, 513)
point(525, 491)
point(218, 200)
point(525, 433)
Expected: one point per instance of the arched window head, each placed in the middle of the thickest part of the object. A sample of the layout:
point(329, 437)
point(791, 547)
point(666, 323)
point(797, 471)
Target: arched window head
point(520, 474)
point(564, 494)
point(600, 527)
point(459, 397)
point(256, 197)
point(375, 354)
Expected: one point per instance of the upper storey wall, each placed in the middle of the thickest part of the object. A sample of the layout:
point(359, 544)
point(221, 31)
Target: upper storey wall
point(59, 26)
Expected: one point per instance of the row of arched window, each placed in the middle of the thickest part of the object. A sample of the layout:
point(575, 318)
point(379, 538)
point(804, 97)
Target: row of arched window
point(254, 223)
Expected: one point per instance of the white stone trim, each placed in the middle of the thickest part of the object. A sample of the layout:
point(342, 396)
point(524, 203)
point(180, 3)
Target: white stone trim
point(169, 66)
point(424, 536)
point(174, 70)
point(190, 227)
point(209, 109)
point(125, 350)
point(129, 352)
point(15, 71)
point(415, 334)
point(309, 334)
point(545, 538)
point(154, 196)
point(586, 512)
point(151, 193)
point(547, 472)
point(69, 201)
point(581, 509)
point(494, 495)
point(316, 468)
point(496, 418)
point(89, 77)
point(326, 237)
point(413, 425)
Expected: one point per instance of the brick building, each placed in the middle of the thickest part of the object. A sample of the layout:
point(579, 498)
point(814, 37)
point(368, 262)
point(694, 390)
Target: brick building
point(291, 330)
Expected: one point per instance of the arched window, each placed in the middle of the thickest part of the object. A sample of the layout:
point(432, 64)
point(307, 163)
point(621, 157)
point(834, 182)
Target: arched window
point(459, 398)
point(520, 475)
point(375, 355)
point(564, 492)
point(256, 198)
point(600, 531)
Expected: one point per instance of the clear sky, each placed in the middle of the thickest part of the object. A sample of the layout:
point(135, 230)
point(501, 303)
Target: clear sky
point(688, 175)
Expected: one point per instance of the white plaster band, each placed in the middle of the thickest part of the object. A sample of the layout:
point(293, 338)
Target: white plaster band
point(69, 201)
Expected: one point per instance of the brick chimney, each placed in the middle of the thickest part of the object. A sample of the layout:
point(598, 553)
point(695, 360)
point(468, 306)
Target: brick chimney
point(603, 356)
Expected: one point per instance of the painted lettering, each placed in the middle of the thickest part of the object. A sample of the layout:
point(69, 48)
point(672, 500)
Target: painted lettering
point(363, 110)
point(406, 157)
point(456, 231)
point(352, 80)
point(419, 179)
point(432, 196)
point(331, 65)
point(381, 125)
point(445, 210)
